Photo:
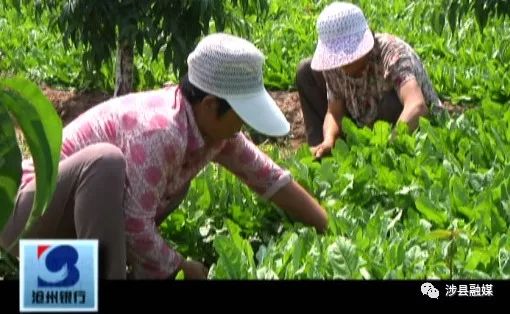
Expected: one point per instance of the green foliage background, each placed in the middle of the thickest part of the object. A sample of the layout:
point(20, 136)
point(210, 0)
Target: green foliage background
point(432, 204)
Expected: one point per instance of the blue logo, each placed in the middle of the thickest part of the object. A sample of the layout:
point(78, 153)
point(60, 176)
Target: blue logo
point(58, 275)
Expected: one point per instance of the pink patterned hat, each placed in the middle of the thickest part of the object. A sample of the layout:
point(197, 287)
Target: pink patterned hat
point(344, 36)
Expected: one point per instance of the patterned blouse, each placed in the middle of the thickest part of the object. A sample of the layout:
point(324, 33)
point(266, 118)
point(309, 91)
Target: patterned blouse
point(164, 150)
point(391, 63)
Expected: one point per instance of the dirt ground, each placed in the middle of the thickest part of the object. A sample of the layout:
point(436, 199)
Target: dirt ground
point(70, 104)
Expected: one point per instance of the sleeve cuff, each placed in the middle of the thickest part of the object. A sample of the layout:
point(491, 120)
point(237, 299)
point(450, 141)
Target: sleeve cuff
point(176, 264)
point(285, 179)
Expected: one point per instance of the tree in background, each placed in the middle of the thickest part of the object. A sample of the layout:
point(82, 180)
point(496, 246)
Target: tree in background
point(171, 27)
point(456, 10)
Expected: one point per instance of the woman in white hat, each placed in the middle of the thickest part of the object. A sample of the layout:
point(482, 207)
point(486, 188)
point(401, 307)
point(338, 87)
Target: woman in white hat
point(361, 75)
point(126, 163)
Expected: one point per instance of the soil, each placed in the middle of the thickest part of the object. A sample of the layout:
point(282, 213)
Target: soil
point(70, 104)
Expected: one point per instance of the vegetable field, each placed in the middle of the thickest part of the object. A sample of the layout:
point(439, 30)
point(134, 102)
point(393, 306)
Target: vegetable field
point(434, 203)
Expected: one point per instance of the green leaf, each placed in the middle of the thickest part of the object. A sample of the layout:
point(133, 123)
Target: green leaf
point(441, 235)
point(499, 225)
point(354, 134)
point(382, 131)
point(452, 15)
point(430, 211)
point(340, 150)
point(235, 255)
point(204, 201)
point(504, 262)
point(297, 254)
point(343, 259)
point(438, 19)
point(43, 133)
point(476, 257)
point(415, 258)
point(365, 273)
point(458, 192)
point(180, 275)
point(10, 165)
point(229, 262)
point(459, 197)
point(395, 220)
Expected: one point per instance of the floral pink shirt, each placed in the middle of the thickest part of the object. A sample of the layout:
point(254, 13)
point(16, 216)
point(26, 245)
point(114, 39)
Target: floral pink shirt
point(164, 150)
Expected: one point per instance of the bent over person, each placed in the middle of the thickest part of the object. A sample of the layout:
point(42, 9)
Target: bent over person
point(126, 164)
point(361, 75)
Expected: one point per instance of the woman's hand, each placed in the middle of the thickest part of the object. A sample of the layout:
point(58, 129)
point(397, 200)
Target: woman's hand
point(331, 128)
point(322, 149)
point(194, 270)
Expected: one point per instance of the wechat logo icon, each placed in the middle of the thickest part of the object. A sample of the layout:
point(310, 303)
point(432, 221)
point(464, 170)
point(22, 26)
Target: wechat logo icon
point(428, 289)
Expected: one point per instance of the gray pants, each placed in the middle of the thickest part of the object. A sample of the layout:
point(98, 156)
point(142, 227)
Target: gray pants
point(311, 87)
point(87, 204)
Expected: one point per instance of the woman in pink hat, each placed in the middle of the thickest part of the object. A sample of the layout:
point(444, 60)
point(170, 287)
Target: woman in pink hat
point(127, 163)
point(358, 74)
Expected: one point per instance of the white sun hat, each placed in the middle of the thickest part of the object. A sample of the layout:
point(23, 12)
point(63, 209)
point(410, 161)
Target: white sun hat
point(344, 36)
point(231, 68)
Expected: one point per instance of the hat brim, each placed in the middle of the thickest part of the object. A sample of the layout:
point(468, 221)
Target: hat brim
point(260, 112)
point(342, 51)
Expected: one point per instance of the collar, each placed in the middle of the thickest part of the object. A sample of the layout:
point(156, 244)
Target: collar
point(195, 139)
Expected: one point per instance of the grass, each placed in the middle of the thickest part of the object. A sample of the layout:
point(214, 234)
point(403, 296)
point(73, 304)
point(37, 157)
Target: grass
point(464, 66)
